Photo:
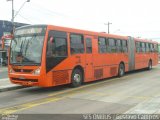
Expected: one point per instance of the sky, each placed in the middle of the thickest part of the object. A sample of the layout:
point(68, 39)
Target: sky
point(137, 18)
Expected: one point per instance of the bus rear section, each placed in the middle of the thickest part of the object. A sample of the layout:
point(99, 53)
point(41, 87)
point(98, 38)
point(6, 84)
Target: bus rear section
point(146, 54)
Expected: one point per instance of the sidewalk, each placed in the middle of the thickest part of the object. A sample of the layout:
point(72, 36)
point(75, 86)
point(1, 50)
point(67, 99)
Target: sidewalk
point(5, 84)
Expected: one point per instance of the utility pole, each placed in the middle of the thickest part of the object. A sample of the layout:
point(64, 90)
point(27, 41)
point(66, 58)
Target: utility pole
point(13, 26)
point(108, 24)
point(12, 12)
point(12, 20)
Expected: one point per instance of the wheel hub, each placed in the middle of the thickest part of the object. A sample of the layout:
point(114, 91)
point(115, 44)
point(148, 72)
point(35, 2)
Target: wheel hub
point(77, 78)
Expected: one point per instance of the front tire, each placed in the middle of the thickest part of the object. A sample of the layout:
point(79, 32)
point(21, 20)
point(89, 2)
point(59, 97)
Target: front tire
point(121, 70)
point(76, 78)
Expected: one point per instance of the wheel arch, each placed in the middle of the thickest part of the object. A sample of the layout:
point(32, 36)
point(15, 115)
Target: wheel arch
point(150, 60)
point(122, 62)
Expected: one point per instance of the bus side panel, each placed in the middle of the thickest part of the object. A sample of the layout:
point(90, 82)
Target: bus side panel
point(154, 58)
point(61, 74)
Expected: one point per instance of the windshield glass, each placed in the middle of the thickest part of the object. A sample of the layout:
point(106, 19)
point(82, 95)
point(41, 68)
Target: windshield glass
point(26, 49)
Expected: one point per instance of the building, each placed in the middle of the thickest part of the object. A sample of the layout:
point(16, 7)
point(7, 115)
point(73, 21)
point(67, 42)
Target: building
point(6, 27)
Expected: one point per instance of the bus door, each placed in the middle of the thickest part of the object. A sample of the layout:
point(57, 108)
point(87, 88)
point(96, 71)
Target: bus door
point(89, 58)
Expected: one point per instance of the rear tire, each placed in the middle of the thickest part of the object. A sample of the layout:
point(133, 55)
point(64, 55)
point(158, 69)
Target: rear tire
point(76, 78)
point(150, 65)
point(121, 70)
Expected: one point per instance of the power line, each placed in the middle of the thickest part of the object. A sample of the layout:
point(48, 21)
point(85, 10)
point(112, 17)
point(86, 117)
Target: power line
point(25, 18)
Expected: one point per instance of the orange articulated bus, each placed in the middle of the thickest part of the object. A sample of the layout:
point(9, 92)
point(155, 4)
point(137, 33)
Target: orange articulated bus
point(46, 55)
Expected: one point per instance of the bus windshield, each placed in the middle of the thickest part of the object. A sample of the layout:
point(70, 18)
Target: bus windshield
point(26, 49)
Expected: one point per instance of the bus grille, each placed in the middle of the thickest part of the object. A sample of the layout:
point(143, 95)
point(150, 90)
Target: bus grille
point(31, 80)
point(113, 71)
point(60, 77)
point(98, 73)
point(23, 70)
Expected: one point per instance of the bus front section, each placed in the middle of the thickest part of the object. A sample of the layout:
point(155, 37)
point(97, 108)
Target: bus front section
point(25, 56)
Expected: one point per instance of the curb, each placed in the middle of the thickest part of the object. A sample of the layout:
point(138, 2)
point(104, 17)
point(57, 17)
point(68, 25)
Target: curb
point(11, 87)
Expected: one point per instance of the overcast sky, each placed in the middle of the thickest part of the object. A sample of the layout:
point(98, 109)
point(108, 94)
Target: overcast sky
point(138, 18)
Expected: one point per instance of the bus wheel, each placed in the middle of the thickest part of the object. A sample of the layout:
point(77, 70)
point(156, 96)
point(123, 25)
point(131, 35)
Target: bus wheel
point(121, 70)
point(76, 78)
point(150, 65)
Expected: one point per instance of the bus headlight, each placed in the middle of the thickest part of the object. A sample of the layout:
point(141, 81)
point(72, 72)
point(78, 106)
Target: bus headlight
point(10, 71)
point(37, 71)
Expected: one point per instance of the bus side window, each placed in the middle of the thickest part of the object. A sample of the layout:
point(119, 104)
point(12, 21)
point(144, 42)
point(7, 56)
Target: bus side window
point(77, 44)
point(124, 46)
point(138, 47)
point(147, 47)
point(155, 48)
point(119, 46)
point(102, 45)
point(50, 46)
point(57, 44)
point(151, 47)
point(88, 45)
point(112, 45)
point(143, 47)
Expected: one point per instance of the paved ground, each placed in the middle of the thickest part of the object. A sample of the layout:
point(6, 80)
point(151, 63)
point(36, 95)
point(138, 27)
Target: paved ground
point(3, 72)
point(137, 92)
point(5, 83)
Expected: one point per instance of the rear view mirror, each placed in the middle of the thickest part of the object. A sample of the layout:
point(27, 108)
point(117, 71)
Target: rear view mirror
point(51, 39)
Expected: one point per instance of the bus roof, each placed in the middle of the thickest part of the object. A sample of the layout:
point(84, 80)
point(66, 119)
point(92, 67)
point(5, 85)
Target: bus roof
point(145, 40)
point(86, 32)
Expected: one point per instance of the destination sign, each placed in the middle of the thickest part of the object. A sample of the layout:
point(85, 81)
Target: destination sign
point(30, 30)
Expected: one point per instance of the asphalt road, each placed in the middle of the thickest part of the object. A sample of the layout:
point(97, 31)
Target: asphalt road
point(135, 93)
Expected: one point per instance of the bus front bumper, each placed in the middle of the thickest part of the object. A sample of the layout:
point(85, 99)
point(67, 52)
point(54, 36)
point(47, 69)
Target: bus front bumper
point(24, 79)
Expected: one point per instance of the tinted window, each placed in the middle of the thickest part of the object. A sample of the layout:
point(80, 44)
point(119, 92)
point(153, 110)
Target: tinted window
point(138, 47)
point(102, 45)
point(151, 47)
point(147, 47)
point(57, 47)
point(88, 45)
point(112, 45)
point(60, 47)
point(155, 47)
point(119, 45)
point(77, 44)
point(112, 42)
point(143, 47)
point(124, 46)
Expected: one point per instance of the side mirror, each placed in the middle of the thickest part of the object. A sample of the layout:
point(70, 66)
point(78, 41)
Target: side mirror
point(51, 39)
